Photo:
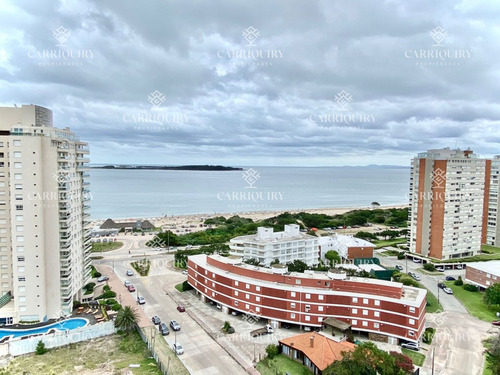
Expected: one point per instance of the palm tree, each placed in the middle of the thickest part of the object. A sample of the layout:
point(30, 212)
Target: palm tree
point(126, 319)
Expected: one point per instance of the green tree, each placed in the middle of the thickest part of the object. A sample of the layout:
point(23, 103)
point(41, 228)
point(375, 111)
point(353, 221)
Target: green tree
point(126, 319)
point(333, 257)
point(297, 266)
point(272, 351)
point(493, 355)
point(429, 267)
point(252, 261)
point(40, 348)
point(492, 295)
point(366, 235)
point(375, 204)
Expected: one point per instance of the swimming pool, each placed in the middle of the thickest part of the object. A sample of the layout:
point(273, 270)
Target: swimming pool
point(64, 325)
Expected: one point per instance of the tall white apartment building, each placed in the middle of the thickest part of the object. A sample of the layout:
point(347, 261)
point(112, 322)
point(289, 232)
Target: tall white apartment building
point(449, 192)
point(286, 246)
point(44, 216)
point(493, 222)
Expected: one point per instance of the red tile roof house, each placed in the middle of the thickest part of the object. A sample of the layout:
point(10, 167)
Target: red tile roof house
point(314, 350)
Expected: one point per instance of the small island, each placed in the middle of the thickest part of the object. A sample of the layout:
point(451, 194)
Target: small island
point(172, 168)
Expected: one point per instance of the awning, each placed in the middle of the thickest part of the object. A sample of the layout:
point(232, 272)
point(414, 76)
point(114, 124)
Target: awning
point(339, 324)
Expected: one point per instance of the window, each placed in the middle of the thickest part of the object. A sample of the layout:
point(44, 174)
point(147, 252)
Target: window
point(412, 322)
point(320, 308)
point(354, 322)
point(236, 283)
point(247, 306)
point(20, 248)
point(376, 325)
point(257, 308)
point(320, 319)
point(213, 294)
point(377, 302)
point(247, 296)
point(213, 275)
point(257, 299)
point(18, 165)
point(257, 288)
point(412, 309)
point(247, 286)
point(19, 197)
point(20, 238)
point(21, 299)
point(365, 301)
point(19, 207)
point(308, 296)
point(206, 272)
point(17, 154)
point(19, 228)
point(307, 318)
point(292, 305)
point(365, 312)
point(16, 142)
point(235, 303)
point(365, 324)
point(18, 176)
point(354, 300)
point(235, 292)
point(21, 278)
point(354, 311)
point(19, 218)
point(18, 186)
point(320, 297)
point(292, 316)
point(19, 259)
point(411, 333)
point(292, 294)
point(377, 314)
point(213, 285)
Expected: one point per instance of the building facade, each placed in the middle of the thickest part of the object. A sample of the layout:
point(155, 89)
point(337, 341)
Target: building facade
point(483, 274)
point(44, 216)
point(376, 307)
point(493, 218)
point(266, 246)
point(449, 192)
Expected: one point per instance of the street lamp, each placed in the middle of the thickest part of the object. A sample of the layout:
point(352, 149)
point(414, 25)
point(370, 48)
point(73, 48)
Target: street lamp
point(406, 259)
point(438, 291)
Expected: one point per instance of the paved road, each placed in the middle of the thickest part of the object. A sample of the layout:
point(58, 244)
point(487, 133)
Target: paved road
point(202, 354)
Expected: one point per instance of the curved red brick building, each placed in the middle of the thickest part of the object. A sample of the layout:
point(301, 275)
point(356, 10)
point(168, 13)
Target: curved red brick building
point(373, 306)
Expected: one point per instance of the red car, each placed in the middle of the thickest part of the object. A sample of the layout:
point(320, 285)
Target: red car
point(181, 308)
point(496, 323)
point(131, 288)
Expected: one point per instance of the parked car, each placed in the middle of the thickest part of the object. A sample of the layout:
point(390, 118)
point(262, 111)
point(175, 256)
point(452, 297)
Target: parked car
point(459, 267)
point(450, 278)
point(496, 322)
point(410, 345)
point(398, 267)
point(416, 260)
point(441, 286)
point(131, 288)
point(185, 272)
point(156, 320)
point(126, 283)
point(178, 349)
point(181, 308)
point(163, 329)
point(102, 278)
point(130, 273)
point(141, 300)
point(448, 291)
point(440, 269)
point(415, 277)
point(174, 325)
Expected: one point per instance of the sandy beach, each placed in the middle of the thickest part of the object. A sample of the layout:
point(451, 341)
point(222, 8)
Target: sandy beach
point(191, 223)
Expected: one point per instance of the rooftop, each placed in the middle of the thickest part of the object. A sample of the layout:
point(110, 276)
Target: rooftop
point(492, 266)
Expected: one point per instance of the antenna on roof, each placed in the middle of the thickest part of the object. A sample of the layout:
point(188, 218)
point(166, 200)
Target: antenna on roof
point(15, 105)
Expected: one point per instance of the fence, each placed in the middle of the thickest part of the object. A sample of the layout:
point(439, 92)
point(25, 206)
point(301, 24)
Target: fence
point(21, 346)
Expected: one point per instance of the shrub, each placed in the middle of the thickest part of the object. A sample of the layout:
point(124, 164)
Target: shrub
point(97, 274)
point(401, 256)
point(459, 281)
point(40, 348)
point(428, 335)
point(106, 295)
point(116, 307)
point(186, 286)
point(470, 288)
point(429, 267)
point(272, 351)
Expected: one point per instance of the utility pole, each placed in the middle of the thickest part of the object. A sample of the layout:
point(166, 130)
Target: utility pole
point(438, 291)
point(433, 354)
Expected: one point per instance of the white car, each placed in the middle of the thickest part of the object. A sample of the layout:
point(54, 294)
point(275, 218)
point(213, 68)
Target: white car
point(141, 300)
point(447, 290)
point(416, 260)
point(178, 349)
point(439, 269)
point(459, 267)
point(126, 283)
point(410, 345)
point(130, 273)
point(185, 272)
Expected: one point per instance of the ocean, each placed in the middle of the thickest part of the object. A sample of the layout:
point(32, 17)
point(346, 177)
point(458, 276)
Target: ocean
point(121, 194)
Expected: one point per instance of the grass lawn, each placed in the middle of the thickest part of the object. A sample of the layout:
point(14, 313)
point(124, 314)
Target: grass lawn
point(433, 304)
point(490, 249)
point(391, 252)
point(382, 243)
point(417, 358)
point(105, 246)
point(473, 301)
point(111, 354)
point(282, 364)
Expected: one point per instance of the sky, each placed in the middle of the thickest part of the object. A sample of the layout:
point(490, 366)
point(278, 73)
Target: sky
point(250, 83)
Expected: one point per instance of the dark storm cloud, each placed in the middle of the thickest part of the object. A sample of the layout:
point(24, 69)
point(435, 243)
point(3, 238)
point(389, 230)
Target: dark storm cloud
point(216, 106)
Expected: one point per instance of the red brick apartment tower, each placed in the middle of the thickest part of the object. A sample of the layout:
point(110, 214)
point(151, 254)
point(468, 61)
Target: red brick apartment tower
point(449, 192)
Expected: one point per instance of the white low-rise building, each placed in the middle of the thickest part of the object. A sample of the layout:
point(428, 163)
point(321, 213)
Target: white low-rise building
point(266, 246)
point(347, 246)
